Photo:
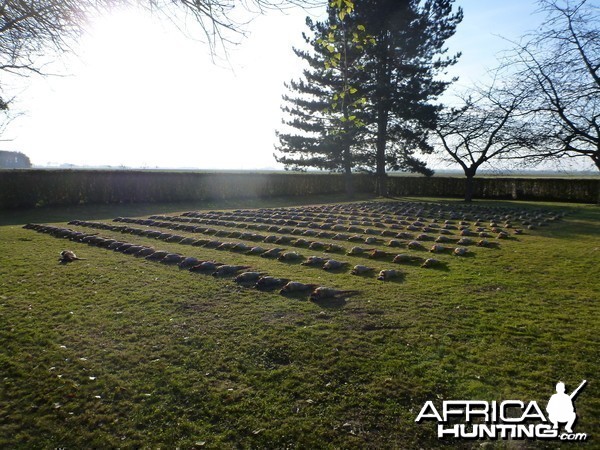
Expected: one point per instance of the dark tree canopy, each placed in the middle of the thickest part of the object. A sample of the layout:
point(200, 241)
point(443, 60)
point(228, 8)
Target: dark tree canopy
point(398, 79)
point(14, 160)
point(322, 109)
point(405, 64)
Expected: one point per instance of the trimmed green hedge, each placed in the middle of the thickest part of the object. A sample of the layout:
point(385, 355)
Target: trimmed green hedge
point(30, 188)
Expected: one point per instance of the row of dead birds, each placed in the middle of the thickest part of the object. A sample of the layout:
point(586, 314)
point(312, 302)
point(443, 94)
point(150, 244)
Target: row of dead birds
point(439, 211)
point(378, 213)
point(322, 229)
point(217, 269)
point(243, 276)
point(443, 237)
point(282, 255)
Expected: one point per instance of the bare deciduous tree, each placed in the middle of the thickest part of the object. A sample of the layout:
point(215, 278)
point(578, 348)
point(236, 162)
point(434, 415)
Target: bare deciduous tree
point(558, 67)
point(488, 125)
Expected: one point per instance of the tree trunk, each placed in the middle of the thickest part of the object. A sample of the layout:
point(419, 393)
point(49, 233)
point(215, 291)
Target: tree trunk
point(381, 176)
point(469, 186)
point(596, 159)
point(348, 182)
point(382, 90)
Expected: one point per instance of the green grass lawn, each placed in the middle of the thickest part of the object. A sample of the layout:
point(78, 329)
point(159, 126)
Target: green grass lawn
point(116, 351)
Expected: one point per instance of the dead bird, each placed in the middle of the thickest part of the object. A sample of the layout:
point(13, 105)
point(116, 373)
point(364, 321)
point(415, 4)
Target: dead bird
point(460, 251)
point(404, 258)
point(146, 251)
point(431, 262)
point(359, 250)
point(205, 266)
point(212, 244)
point(334, 248)
point(360, 270)
point(415, 245)
point(394, 243)
point(314, 261)
point(67, 256)
point(225, 270)
point(240, 247)
point(267, 282)
point(322, 293)
point(172, 258)
point(133, 249)
point(272, 253)
point(157, 256)
point(296, 286)
point(378, 254)
point(226, 246)
point(315, 245)
point(248, 277)
point(188, 262)
point(437, 248)
point(256, 251)
point(290, 256)
point(332, 264)
point(389, 274)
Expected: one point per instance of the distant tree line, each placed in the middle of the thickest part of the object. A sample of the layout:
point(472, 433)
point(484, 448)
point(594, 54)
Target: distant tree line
point(368, 99)
point(14, 160)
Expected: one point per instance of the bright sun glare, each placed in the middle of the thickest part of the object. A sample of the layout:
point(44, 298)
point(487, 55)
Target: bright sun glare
point(141, 93)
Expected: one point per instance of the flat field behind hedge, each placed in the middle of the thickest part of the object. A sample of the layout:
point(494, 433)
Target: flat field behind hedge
point(117, 351)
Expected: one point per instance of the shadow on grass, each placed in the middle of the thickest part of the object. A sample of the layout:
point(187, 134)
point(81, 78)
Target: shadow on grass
point(331, 303)
point(53, 214)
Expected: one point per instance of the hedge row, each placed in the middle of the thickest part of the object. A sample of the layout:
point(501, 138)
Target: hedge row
point(30, 188)
point(576, 190)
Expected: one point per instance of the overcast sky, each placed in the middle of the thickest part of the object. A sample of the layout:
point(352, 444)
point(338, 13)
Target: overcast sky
point(140, 93)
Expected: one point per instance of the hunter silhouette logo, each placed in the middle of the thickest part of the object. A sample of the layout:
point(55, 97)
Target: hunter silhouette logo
point(509, 419)
point(560, 407)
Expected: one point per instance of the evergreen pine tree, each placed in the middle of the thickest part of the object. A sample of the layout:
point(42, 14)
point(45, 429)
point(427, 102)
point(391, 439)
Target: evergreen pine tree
point(325, 107)
point(366, 100)
point(403, 65)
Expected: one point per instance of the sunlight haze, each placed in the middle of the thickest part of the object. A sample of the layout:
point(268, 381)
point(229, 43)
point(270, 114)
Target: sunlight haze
point(140, 93)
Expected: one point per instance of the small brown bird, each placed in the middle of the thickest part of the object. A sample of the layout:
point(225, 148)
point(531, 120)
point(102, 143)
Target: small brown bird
point(225, 270)
point(359, 250)
point(314, 261)
point(295, 286)
point(378, 254)
point(389, 274)
point(248, 277)
point(272, 253)
point(360, 269)
point(431, 262)
point(267, 282)
point(67, 256)
point(322, 293)
point(332, 264)
point(205, 266)
point(461, 251)
point(290, 256)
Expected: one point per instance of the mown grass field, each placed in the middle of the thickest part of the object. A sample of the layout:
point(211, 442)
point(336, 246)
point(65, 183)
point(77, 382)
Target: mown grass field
point(116, 351)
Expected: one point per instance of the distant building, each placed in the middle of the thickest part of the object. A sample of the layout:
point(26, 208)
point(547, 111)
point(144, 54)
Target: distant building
point(14, 160)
